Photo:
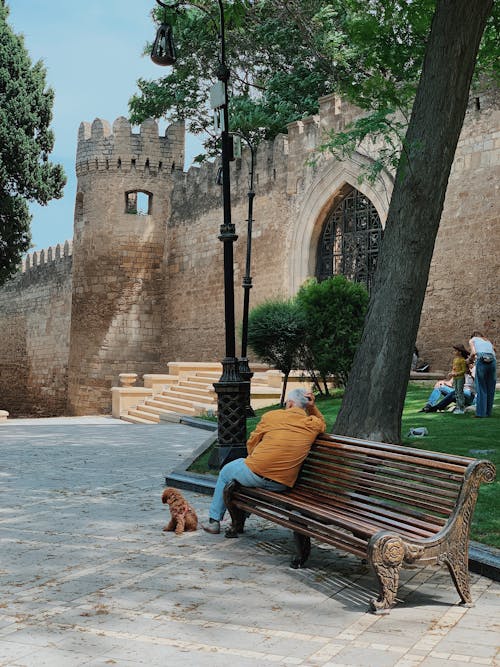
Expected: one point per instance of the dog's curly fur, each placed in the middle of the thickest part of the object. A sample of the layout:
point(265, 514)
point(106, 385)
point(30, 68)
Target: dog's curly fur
point(183, 516)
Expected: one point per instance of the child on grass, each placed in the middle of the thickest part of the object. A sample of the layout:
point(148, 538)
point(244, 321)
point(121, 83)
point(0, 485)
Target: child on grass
point(458, 371)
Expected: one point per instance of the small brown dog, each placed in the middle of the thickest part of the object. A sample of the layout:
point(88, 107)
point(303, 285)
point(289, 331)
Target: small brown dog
point(183, 516)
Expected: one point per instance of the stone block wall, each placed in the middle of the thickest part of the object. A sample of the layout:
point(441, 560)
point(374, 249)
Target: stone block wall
point(194, 279)
point(463, 290)
point(35, 335)
point(142, 290)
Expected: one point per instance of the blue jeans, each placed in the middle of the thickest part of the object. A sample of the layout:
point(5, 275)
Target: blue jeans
point(438, 393)
point(237, 471)
point(449, 398)
point(486, 378)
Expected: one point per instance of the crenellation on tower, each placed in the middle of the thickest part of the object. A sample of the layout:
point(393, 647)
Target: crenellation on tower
point(102, 147)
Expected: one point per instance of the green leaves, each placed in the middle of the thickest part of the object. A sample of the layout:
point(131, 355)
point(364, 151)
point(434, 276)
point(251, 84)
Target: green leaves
point(285, 54)
point(334, 312)
point(25, 144)
point(276, 331)
point(318, 330)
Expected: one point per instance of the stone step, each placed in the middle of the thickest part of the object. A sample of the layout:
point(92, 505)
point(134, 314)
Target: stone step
point(143, 414)
point(136, 420)
point(212, 377)
point(192, 388)
point(173, 396)
point(156, 408)
point(166, 403)
point(189, 398)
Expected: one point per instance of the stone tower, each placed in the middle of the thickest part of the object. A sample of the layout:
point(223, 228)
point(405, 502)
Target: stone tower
point(122, 205)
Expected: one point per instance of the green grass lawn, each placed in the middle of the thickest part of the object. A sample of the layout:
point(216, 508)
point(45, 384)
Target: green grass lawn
point(453, 434)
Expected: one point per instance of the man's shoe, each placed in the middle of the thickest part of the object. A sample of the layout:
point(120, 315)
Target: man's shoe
point(212, 527)
point(456, 411)
point(426, 408)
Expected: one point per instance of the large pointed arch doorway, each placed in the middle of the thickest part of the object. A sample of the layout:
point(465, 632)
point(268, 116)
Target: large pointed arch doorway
point(350, 239)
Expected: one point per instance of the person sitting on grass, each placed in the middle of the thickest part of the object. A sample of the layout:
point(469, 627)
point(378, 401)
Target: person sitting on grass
point(276, 450)
point(443, 388)
point(449, 398)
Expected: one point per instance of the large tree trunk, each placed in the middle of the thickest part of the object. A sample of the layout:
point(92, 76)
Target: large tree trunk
point(375, 393)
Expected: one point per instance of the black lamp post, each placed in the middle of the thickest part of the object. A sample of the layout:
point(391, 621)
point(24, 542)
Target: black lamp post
point(245, 371)
point(231, 389)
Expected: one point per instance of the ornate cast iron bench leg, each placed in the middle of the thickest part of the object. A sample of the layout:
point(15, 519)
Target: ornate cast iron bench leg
point(456, 555)
point(386, 553)
point(459, 571)
point(238, 516)
point(302, 550)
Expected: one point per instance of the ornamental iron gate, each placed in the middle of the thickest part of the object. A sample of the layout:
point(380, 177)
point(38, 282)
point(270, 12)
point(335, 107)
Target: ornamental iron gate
point(350, 240)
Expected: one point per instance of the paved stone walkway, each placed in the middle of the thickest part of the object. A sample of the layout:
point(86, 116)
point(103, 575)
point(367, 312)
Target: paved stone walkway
point(87, 577)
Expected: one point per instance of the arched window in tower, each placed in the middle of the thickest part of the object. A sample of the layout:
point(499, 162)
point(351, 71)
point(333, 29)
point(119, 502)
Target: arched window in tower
point(350, 240)
point(138, 202)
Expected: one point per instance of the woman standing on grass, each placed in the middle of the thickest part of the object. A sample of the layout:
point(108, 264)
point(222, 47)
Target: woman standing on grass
point(486, 372)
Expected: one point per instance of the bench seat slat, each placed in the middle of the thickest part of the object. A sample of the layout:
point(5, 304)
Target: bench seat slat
point(293, 521)
point(360, 524)
point(386, 519)
point(353, 518)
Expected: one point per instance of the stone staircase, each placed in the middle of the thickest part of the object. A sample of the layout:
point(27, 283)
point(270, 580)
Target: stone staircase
point(187, 390)
point(190, 394)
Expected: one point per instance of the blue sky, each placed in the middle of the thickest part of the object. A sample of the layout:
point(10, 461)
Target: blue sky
point(92, 51)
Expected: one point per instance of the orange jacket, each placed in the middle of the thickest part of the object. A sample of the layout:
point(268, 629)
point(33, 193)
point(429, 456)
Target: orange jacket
point(281, 441)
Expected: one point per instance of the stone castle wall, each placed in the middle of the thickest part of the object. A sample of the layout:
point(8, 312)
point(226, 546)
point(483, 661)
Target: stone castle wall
point(143, 290)
point(35, 312)
point(463, 290)
point(194, 289)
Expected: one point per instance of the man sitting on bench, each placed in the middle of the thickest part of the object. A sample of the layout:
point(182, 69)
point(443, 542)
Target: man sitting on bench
point(276, 450)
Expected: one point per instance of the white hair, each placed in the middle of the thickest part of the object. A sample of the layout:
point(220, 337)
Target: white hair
point(298, 396)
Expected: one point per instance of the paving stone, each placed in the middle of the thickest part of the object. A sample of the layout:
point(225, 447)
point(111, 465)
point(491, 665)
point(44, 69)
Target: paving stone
point(89, 578)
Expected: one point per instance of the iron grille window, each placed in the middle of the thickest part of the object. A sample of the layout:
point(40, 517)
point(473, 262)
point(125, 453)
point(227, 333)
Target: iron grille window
point(350, 240)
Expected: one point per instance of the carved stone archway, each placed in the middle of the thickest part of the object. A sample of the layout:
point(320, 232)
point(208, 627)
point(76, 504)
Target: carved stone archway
point(325, 192)
point(350, 240)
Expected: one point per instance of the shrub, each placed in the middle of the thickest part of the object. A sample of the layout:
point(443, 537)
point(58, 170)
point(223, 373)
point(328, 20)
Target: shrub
point(276, 334)
point(334, 311)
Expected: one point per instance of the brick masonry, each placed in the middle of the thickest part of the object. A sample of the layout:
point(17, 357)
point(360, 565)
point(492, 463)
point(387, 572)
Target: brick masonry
point(143, 290)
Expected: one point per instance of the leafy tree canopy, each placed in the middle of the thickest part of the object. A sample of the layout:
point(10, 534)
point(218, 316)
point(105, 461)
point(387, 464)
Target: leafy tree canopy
point(284, 54)
point(26, 175)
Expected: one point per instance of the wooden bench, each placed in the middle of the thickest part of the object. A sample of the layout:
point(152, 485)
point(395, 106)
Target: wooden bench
point(389, 504)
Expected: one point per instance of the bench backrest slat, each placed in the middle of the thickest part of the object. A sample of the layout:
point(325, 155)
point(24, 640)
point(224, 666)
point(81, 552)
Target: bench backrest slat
point(330, 440)
point(408, 488)
point(407, 469)
point(371, 475)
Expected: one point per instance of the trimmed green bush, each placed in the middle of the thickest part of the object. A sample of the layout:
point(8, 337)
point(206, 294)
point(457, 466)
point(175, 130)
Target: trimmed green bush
point(334, 312)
